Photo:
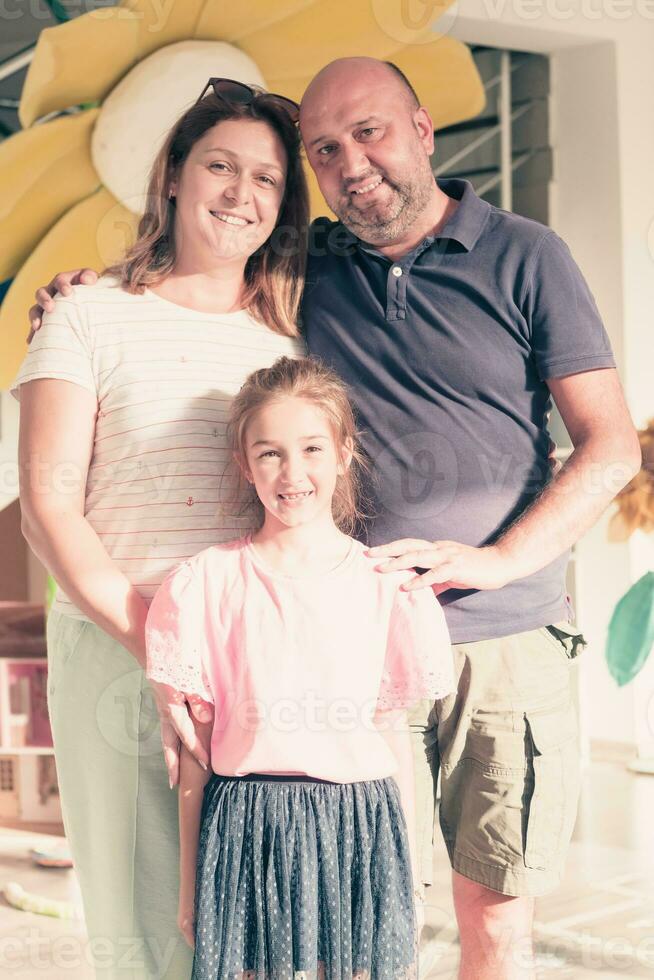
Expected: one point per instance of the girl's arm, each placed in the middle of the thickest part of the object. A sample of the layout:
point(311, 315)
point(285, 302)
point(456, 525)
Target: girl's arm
point(394, 728)
point(192, 780)
point(57, 430)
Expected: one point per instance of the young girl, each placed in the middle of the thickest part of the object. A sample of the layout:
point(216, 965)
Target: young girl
point(296, 861)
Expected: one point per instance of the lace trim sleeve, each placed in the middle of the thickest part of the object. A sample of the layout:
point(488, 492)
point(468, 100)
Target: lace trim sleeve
point(419, 662)
point(430, 685)
point(175, 642)
point(167, 666)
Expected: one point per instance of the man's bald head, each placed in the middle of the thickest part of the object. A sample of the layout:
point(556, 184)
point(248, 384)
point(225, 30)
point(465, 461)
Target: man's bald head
point(344, 71)
point(369, 143)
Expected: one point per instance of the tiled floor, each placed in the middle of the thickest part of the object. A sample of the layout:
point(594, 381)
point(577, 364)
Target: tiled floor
point(38, 946)
point(598, 926)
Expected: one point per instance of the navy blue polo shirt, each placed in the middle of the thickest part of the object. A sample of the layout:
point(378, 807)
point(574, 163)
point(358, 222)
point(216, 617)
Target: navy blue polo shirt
point(446, 354)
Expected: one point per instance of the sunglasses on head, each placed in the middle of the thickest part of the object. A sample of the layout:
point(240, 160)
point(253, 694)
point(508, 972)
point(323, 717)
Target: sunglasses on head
point(238, 93)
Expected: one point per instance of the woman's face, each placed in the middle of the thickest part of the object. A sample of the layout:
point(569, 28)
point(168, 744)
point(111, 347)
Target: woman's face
point(229, 192)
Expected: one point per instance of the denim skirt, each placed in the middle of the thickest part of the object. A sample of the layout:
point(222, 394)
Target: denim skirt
point(299, 878)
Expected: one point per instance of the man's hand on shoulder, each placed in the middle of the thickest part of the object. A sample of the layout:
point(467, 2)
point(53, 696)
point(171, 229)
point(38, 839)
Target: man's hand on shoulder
point(61, 283)
point(449, 564)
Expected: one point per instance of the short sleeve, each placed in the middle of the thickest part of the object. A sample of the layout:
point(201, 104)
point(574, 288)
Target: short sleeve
point(61, 349)
point(174, 634)
point(567, 333)
point(419, 660)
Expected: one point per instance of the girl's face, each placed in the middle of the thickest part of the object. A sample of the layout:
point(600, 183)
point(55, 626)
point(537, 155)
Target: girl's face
point(293, 461)
point(229, 191)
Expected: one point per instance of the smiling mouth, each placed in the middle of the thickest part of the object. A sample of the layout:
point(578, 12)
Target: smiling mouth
point(295, 496)
point(368, 188)
point(230, 219)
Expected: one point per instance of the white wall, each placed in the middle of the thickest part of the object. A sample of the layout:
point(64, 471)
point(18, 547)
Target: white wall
point(602, 203)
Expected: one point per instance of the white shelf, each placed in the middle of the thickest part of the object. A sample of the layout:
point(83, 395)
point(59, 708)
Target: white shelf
point(26, 750)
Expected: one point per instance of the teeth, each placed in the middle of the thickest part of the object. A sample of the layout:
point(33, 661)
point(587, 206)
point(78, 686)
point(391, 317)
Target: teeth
point(369, 187)
point(294, 496)
point(229, 219)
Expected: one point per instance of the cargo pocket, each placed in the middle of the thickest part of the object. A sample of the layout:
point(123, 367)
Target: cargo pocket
point(554, 761)
point(483, 792)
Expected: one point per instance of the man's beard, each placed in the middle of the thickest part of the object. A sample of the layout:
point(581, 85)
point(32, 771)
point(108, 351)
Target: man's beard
point(385, 224)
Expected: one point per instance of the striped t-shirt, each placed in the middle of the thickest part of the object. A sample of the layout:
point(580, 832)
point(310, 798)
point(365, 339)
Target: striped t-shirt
point(164, 377)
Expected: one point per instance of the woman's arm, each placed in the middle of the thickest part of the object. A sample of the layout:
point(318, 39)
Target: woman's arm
point(192, 781)
point(57, 428)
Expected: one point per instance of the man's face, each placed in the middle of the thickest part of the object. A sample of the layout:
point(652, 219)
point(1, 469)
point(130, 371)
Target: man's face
point(370, 152)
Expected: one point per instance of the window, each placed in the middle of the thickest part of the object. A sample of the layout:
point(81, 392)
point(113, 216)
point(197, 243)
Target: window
point(504, 151)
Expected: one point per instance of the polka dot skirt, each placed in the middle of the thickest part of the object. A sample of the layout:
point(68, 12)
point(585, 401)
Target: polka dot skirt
point(300, 879)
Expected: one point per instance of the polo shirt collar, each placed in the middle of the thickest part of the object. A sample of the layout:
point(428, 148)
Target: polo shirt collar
point(465, 226)
point(467, 223)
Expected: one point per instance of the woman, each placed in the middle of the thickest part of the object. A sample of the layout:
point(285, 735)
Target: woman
point(124, 395)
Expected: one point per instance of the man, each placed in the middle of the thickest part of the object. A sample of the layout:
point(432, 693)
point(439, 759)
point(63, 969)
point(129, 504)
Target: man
point(453, 322)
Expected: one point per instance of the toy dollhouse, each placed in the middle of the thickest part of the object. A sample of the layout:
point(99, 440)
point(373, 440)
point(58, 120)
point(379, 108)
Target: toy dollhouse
point(28, 779)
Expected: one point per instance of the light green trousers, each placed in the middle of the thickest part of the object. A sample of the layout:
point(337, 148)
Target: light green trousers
point(120, 815)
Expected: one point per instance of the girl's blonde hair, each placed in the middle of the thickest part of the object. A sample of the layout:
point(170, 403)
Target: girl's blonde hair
point(274, 274)
point(312, 381)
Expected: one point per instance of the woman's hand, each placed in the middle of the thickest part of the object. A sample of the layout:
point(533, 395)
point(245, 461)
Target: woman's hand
point(61, 283)
point(450, 565)
point(186, 920)
point(177, 726)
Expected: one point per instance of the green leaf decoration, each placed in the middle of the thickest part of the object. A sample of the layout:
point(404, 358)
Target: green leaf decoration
point(631, 631)
point(50, 589)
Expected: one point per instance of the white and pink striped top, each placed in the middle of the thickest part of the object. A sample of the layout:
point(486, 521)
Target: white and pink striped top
point(164, 376)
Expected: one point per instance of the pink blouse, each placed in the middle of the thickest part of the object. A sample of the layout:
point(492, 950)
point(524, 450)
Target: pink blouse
point(297, 667)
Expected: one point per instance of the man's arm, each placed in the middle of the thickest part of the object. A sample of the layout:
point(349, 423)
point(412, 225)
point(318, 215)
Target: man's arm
point(606, 456)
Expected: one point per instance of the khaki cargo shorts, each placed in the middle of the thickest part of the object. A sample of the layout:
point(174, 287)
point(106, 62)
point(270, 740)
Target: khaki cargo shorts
point(506, 747)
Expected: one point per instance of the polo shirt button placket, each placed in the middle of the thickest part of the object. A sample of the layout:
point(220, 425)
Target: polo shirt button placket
point(398, 292)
